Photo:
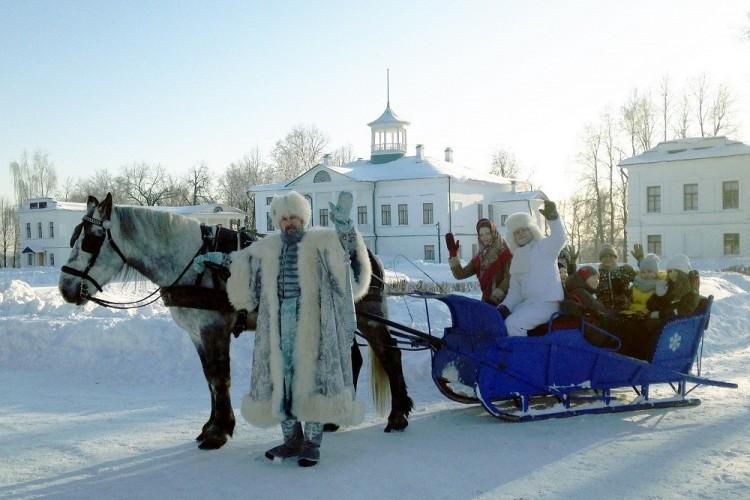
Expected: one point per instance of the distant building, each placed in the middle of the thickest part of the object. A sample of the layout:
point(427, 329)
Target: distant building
point(405, 204)
point(691, 196)
point(46, 226)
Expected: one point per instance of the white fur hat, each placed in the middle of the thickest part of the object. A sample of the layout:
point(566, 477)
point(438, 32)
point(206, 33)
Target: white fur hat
point(291, 203)
point(679, 262)
point(649, 263)
point(517, 221)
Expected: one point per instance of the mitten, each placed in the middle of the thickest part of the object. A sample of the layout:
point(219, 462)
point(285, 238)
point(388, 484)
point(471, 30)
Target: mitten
point(550, 210)
point(452, 245)
point(504, 311)
point(637, 252)
point(340, 212)
point(199, 263)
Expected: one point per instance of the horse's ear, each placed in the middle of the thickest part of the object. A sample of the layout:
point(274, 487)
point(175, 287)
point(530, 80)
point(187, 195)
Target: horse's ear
point(92, 202)
point(106, 206)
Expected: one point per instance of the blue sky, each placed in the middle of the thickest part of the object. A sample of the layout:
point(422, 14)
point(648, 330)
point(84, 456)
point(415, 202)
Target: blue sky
point(103, 84)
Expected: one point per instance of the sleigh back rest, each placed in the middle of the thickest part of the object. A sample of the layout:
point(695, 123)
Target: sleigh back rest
point(473, 320)
point(680, 339)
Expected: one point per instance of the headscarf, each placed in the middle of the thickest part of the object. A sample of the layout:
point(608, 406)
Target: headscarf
point(488, 254)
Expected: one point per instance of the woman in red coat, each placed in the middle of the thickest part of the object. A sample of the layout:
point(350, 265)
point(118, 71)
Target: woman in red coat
point(490, 265)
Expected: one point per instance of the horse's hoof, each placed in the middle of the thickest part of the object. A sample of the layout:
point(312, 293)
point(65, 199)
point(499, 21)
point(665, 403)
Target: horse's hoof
point(397, 424)
point(201, 436)
point(330, 427)
point(213, 442)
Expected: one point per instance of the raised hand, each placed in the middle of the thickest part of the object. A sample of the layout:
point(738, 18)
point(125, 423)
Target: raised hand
point(550, 210)
point(340, 212)
point(573, 257)
point(452, 244)
point(637, 252)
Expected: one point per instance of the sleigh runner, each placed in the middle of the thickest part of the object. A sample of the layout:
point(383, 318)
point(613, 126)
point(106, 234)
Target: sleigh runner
point(557, 372)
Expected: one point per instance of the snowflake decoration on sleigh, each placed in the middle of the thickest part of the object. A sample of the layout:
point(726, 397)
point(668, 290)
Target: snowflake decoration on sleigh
point(674, 342)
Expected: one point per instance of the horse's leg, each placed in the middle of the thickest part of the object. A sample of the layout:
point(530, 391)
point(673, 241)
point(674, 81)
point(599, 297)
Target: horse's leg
point(384, 348)
point(215, 343)
point(209, 422)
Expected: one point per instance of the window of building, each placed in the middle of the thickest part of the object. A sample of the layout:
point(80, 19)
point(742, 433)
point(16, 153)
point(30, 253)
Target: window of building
point(52, 259)
point(480, 211)
point(362, 215)
point(30, 259)
point(269, 199)
point(429, 252)
point(503, 220)
point(39, 229)
point(322, 176)
point(34, 205)
point(731, 194)
point(491, 212)
point(731, 243)
point(269, 222)
point(385, 215)
point(427, 216)
point(653, 195)
point(654, 243)
point(323, 216)
point(51, 229)
point(403, 214)
point(28, 230)
point(42, 204)
point(690, 196)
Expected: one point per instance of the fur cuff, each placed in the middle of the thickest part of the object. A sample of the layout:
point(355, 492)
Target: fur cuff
point(340, 410)
point(258, 413)
point(239, 281)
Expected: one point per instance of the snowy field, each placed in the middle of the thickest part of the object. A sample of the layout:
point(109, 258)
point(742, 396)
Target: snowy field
point(106, 404)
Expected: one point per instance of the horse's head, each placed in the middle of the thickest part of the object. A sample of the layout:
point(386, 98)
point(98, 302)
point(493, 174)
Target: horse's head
point(94, 258)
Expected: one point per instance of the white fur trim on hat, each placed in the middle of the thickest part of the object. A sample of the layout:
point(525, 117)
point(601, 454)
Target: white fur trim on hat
point(517, 221)
point(679, 262)
point(649, 263)
point(291, 203)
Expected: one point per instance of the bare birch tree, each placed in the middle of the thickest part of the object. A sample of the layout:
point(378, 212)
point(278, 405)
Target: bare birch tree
point(300, 149)
point(700, 91)
point(504, 164)
point(342, 155)
point(682, 125)
point(33, 176)
point(8, 225)
point(146, 184)
point(665, 95)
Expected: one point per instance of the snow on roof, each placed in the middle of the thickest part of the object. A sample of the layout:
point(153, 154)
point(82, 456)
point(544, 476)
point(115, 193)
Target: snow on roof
point(206, 208)
point(691, 148)
point(388, 118)
point(408, 167)
point(523, 195)
point(70, 205)
point(276, 186)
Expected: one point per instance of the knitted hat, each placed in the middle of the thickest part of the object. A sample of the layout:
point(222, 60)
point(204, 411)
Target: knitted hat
point(291, 203)
point(679, 262)
point(649, 263)
point(585, 272)
point(607, 249)
point(517, 221)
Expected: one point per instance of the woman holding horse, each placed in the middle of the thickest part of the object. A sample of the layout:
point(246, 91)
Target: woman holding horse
point(490, 265)
point(303, 282)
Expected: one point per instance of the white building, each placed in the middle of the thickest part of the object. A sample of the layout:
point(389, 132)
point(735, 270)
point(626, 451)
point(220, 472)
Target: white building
point(691, 196)
point(405, 204)
point(46, 226)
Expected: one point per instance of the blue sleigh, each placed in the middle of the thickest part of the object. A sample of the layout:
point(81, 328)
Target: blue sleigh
point(559, 373)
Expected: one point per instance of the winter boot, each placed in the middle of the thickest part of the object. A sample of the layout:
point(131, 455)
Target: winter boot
point(310, 453)
point(293, 439)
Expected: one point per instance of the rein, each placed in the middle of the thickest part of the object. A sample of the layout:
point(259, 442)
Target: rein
point(94, 246)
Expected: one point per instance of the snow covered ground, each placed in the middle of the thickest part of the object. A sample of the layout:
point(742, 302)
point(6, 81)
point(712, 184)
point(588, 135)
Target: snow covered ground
point(105, 404)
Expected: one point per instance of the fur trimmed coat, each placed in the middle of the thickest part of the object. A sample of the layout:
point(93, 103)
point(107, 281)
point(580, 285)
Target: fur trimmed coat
point(323, 389)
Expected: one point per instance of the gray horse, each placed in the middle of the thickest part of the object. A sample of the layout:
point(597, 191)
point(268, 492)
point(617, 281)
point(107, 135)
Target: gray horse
point(161, 246)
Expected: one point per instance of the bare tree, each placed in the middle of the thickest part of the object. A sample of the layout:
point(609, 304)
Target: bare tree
point(7, 229)
point(720, 111)
point(682, 126)
point(629, 120)
point(233, 186)
point(646, 122)
point(664, 93)
point(342, 155)
point(99, 184)
point(33, 177)
point(66, 190)
point(301, 149)
point(610, 153)
point(145, 184)
point(700, 91)
point(590, 160)
point(198, 185)
point(504, 164)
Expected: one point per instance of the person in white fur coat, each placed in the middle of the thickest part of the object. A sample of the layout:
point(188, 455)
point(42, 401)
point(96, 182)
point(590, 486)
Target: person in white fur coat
point(303, 283)
point(535, 290)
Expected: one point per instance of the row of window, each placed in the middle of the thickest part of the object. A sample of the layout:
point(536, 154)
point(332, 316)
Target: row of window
point(30, 259)
point(730, 197)
point(50, 230)
point(731, 243)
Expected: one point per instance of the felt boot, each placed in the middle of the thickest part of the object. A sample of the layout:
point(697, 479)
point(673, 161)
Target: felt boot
point(309, 455)
point(293, 439)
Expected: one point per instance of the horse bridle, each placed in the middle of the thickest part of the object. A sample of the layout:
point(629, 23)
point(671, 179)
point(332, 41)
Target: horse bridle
point(93, 244)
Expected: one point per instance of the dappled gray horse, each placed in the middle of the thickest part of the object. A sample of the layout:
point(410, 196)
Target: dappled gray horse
point(161, 247)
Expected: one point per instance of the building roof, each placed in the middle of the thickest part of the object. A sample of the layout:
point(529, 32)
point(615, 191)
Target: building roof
point(388, 118)
point(206, 208)
point(691, 148)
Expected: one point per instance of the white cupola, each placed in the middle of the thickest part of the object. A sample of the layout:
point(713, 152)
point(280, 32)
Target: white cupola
point(388, 135)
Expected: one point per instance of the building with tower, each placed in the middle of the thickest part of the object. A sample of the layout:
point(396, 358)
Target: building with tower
point(404, 205)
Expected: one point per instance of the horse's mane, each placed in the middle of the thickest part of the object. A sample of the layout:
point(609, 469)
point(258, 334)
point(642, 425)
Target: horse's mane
point(166, 224)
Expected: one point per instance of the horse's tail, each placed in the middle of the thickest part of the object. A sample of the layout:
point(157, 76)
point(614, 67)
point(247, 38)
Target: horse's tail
point(380, 387)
